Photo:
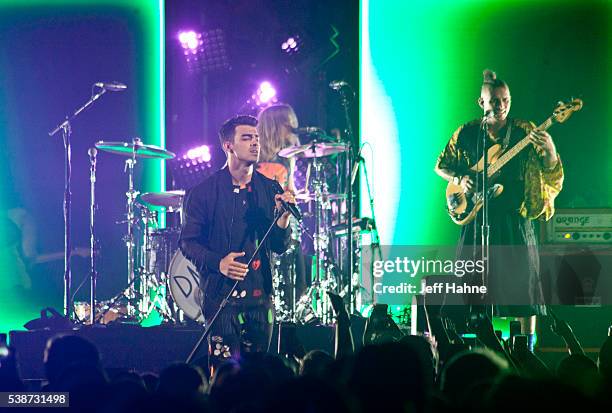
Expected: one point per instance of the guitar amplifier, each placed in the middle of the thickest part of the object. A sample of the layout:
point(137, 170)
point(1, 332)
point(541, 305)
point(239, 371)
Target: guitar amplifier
point(578, 226)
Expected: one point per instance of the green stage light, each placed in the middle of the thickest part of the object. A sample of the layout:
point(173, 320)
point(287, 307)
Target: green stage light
point(421, 65)
point(146, 22)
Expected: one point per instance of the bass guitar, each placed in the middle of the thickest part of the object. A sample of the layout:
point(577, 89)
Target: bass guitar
point(463, 207)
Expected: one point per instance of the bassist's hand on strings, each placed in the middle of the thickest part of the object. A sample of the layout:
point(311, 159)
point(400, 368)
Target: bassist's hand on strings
point(545, 147)
point(466, 183)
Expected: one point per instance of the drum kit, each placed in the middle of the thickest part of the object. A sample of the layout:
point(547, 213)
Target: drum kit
point(161, 280)
point(328, 212)
point(151, 252)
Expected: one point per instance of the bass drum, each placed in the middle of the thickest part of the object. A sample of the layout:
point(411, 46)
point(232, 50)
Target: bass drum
point(184, 280)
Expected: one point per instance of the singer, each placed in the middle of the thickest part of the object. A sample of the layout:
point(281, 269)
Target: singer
point(531, 182)
point(225, 216)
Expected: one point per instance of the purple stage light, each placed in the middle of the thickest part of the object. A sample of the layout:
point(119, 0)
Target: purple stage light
point(204, 51)
point(266, 93)
point(190, 40)
point(199, 154)
point(290, 45)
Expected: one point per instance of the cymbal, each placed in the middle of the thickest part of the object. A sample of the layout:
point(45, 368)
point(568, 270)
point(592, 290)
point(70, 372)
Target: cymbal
point(312, 150)
point(128, 148)
point(309, 196)
point(168, 199)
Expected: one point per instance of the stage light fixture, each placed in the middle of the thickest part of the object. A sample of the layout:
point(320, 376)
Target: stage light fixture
point(265, 94)
point(291, 45)
point(191, 167)
point(199, 154)
point(190, 40)
point(204, 51)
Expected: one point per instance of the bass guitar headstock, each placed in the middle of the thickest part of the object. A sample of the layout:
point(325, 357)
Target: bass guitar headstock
point(564, 110)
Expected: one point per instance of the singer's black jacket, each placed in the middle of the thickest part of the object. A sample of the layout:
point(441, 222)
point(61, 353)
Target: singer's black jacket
point(205, 236)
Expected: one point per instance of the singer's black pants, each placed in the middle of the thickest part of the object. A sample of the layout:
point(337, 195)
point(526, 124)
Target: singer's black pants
point(240, 329)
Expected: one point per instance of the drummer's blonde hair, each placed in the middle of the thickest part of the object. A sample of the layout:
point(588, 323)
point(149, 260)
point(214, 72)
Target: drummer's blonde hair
point(272, 138)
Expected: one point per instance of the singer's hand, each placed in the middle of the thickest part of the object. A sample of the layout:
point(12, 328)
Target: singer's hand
point(232, 268)
point(288, 197)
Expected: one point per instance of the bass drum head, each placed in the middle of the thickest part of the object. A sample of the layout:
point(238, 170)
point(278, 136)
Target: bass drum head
point(185, 287)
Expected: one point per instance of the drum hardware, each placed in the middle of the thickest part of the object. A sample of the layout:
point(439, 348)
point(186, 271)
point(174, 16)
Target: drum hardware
point(172, 200)
point(155, 297)
point(314, 149)
point(106, 313)
point(307, 197)
point(127, 294)
point(341, 87)
point(284, 275)
point(135, 149)
point(315, 304)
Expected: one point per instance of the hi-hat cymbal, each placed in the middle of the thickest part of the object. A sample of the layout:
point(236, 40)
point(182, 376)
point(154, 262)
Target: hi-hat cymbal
point(312, 150)
point(309, 196)
point(140, 149)
point(168, 199)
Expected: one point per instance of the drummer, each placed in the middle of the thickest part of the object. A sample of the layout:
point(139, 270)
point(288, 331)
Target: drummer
point(276, 127)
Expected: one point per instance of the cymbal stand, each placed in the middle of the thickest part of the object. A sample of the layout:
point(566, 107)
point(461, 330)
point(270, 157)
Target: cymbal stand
point(151, 281)
point(345, 101)
point(324, 279)
point(129, 238)
point(149, 220)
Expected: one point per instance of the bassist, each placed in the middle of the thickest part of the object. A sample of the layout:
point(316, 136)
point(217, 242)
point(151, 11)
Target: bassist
point(531, 180)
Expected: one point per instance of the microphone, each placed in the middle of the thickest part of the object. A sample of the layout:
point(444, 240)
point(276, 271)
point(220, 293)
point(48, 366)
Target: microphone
point(488, 114)
point(338, 84)
point(92, 152)
point(292, 208)
point(307, 130)
point(358, 160)
point(111, 86)
point(92, 160)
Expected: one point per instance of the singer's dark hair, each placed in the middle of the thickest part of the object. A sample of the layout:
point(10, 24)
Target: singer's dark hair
point(489, 79)
point(228, 129)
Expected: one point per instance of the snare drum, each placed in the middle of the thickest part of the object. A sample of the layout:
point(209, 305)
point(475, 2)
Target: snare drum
point(184, 281)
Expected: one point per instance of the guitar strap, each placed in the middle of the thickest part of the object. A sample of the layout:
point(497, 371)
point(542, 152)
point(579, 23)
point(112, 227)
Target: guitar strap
point(506, 140)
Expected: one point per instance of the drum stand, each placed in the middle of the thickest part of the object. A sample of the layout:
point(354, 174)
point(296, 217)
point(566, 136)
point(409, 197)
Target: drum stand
point(151, 285)
point(131, 195)
point(315, 302)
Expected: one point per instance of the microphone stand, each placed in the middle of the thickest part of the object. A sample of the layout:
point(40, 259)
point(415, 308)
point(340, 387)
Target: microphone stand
point(375, 243)
point(66, 129)
point(375, 239)
point(92, 235)
point(344, 99)
point(228, 296)
point(484, 228)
